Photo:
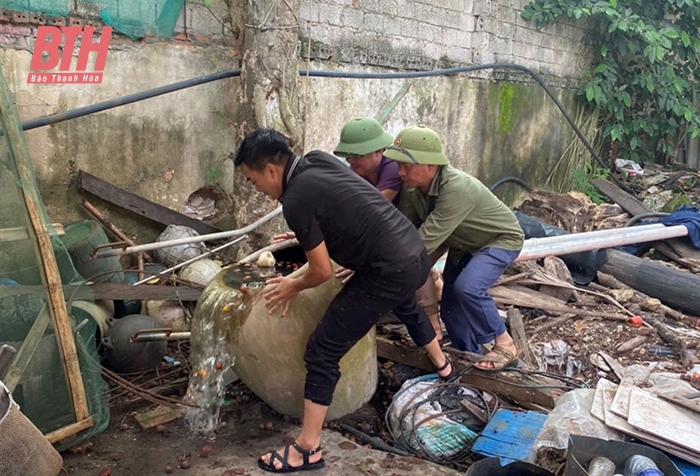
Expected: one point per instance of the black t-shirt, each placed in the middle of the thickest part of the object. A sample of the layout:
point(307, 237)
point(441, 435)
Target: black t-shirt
point(324, 200)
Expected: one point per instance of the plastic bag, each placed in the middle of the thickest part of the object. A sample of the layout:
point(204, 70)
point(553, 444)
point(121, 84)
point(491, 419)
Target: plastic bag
point(413, 423)
point(572, 416)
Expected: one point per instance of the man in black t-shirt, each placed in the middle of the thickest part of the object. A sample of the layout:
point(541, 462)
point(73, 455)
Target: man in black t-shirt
point(337, 215)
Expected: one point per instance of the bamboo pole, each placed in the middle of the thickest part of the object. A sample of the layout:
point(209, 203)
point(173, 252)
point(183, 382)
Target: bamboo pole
point(48, 268)
point(70, 430)
point(113, 228)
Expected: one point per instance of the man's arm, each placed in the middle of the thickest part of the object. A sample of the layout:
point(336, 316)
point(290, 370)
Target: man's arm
point(319, 271)
point(451, 208)
point(389, 194)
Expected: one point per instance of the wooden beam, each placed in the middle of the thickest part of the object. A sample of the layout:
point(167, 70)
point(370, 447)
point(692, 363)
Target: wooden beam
point(112, 291)
point(517, 330)
point(139, 205)
point(44, 250)
point(628, 203)
point(516, 387)
point(70, 430)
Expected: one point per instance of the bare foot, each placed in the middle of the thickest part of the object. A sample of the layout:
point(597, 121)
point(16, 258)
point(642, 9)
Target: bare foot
point(294, 458)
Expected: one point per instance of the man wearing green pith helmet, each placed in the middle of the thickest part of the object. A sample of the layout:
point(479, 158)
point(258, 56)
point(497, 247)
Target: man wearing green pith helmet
point(483, 237)
point(362, 144)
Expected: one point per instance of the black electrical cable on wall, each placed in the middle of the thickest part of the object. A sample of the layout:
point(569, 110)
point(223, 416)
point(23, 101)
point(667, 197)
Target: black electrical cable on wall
point(147, 94)
point(465, 69)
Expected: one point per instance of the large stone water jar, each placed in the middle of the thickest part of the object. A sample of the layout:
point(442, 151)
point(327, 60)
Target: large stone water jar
point(231, 325)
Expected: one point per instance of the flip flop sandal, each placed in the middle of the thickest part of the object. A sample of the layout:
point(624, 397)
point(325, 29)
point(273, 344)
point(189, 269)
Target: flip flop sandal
point(286, 468)
point(503, 356)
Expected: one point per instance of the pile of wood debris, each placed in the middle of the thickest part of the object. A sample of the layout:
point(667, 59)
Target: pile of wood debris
point(577, 323)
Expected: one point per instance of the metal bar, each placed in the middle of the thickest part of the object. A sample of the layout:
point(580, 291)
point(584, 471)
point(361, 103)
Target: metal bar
point(192, 239)
point(154, 335)
point(614, 238)
point(191, 260)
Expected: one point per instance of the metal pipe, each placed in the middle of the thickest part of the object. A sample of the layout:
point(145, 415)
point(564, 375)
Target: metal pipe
point(543, 247)
point(153, 335)
point(590, 234)
point(191, 260)
point(128, 99)
point(193, 239)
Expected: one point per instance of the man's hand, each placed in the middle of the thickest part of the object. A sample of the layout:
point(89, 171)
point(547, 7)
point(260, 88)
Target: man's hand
point(280, 295)
point(283, 237)
point(344, 274)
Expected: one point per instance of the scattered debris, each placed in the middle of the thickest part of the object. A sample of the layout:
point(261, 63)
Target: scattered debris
point(157, 417)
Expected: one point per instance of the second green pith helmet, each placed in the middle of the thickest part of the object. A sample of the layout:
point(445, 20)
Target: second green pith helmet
point(362, 136)
point(417, 145)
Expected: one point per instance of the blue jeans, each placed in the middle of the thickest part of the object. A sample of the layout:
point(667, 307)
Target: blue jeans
point(469, 313)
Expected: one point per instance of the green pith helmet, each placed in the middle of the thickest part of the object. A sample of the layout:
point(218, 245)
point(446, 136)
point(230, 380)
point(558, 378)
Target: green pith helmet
point(417, 145)
point(362, 136)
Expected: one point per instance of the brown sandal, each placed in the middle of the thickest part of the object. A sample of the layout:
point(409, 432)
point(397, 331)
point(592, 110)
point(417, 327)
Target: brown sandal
point(502, 356)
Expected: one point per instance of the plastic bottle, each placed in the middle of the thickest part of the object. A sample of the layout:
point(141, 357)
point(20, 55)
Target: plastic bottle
point(601, 466)
point(639, 465)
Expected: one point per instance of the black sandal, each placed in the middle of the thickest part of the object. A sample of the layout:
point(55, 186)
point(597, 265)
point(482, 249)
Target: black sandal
point(452, 375)
point(286, 468)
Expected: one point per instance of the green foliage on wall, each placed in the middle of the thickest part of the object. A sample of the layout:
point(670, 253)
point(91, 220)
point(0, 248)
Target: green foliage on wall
point(645, 71)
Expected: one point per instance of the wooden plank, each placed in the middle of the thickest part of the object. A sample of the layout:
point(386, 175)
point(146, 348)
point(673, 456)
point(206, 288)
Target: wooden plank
point(628, 203)
point(514, 386)
point(157, 416)
point(517, 331)
point(139, 205)
point(70, 430)
point(675, 424)
point(44, 252)
point(525, 297)
point(112, 291)
point(509, 435)
point(516, 295)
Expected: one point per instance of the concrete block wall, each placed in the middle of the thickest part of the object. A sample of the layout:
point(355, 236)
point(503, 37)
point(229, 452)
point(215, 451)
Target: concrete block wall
point(425, 34)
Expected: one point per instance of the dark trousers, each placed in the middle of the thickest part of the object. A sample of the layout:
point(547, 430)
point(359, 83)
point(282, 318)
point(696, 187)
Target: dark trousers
point(469, 313)
point(364, 299)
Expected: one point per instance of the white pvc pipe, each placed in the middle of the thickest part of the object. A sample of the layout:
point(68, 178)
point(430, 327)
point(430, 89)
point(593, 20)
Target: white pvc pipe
point(586, 242)
point(591, 234)
point(190, 261)
point(192, 239)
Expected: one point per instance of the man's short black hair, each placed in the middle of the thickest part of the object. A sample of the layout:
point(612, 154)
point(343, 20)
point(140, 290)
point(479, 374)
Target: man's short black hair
point(261, 147)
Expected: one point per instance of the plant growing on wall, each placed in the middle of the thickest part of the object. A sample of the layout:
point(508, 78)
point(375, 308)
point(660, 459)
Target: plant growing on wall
point(645, 70)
